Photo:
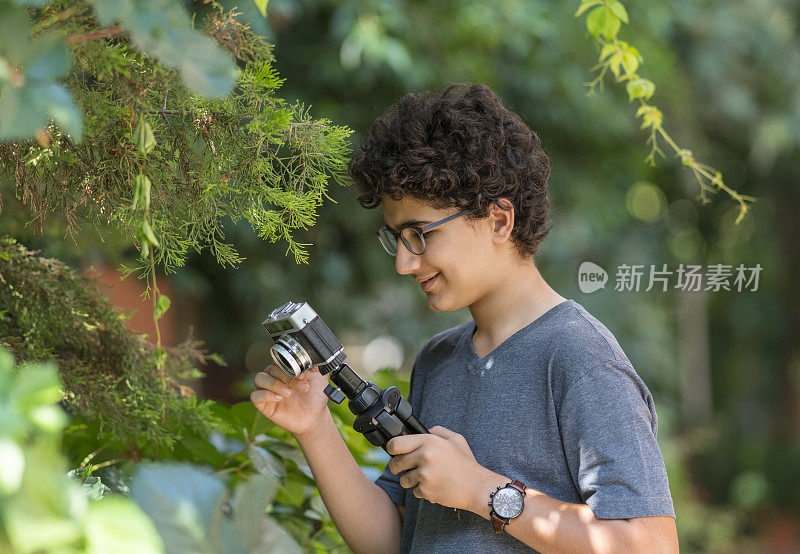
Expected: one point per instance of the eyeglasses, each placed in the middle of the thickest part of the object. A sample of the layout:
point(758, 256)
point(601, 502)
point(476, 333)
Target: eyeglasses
point(412, 237)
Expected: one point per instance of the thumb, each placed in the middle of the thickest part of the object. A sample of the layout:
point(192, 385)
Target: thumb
point(443, 432)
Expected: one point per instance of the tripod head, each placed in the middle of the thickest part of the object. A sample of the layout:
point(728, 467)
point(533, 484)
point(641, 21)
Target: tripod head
point(380, 414)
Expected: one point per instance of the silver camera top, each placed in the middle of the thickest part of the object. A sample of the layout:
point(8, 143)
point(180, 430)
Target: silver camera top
point(292, 316)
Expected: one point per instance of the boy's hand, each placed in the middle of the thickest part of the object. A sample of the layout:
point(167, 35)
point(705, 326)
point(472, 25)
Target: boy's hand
point(295, 404)
point(442, 468)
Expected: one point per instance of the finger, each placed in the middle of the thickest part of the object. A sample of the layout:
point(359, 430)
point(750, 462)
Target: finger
point(450, 436)
point(410, 479)
point(268, 382)
point(278, 373)
point(443, 432)
point(262, 402)
point(405, 444)
point(299, 384)
point(404, 462)
point(417, 493)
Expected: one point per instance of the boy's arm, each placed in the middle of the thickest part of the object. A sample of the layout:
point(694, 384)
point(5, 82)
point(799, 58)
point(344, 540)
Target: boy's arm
point(440, 467)
point(363, 513)
point(550, 525)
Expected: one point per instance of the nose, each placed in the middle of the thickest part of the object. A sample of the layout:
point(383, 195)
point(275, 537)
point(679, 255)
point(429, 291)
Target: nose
point(405, 261)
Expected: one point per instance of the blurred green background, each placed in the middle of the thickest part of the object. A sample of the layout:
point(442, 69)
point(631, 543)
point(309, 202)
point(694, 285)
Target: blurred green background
point(723, 367)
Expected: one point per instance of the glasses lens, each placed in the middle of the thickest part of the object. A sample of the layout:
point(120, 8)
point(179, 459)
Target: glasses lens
point(388, 241)
point(413, 239)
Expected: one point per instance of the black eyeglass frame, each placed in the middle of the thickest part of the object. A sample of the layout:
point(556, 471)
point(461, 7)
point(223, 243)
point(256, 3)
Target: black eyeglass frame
point(420, 230)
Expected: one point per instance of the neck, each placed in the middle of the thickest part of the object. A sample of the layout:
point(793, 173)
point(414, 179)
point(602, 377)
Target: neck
point(516, 299)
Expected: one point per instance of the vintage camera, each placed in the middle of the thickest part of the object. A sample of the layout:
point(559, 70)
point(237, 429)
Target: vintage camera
point(302, 341)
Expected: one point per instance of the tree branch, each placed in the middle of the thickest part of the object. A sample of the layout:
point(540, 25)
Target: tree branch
point(95, 35)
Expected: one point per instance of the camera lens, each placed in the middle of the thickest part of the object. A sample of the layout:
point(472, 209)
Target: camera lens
point(290, 356)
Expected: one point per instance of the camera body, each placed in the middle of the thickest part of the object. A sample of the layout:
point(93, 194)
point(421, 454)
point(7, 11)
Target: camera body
point(302, 340)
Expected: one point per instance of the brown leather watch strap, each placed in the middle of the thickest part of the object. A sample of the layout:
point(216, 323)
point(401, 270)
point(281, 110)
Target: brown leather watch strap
point(519, 485)
point(498, 522)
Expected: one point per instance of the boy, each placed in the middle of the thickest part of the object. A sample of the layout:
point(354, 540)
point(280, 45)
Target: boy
point(542, 435)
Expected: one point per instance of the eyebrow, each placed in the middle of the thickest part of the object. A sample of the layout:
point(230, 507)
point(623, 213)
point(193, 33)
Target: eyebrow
point(411, 222)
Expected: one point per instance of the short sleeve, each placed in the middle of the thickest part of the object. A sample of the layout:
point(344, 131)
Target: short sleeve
point(390, 482)
point(609, 428)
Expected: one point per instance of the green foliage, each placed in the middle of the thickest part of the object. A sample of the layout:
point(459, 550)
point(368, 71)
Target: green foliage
point(32, 63)
point(41, 508)
point(163, 30)
point(30, 69)
point(603, 22)
point(48, 311)
point(249, 155)
point(191, 508)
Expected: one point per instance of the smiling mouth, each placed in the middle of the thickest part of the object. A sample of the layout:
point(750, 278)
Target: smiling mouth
point(428, 283)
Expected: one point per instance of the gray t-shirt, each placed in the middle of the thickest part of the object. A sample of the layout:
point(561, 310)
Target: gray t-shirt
point(557, 406)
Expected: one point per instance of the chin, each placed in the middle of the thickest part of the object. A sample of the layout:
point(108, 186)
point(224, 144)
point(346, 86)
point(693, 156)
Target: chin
point(436, 304)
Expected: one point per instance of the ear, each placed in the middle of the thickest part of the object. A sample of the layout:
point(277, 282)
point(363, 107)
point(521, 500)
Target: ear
point(502, 220)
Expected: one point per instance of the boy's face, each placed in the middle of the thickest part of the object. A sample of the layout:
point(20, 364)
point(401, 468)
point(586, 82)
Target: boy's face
point(460, 252)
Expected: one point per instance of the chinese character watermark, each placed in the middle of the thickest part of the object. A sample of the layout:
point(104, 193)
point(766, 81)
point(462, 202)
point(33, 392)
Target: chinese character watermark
point(688, 278)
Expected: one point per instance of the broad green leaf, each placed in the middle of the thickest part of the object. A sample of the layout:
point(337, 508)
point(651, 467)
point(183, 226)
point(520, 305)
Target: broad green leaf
point(608, 49)
point(630, 59)
point(36, 385)
point(6, 369)
point(223, 535)
point(12, 466)
point(116, 524)
point(49, 418)
point(163, 29)
point(262, 6)
point(224, 413)
point(269, 536)
point(181, 500)
point(201, 451)
point(602, 21)
point(57, 102)
point(162, 305)
point(206, 69)
point(45, 515)
point(640, 88)
point(585, 6)
point(25, 110)
point(47, 58)
point(251, 498)
point(251, 419)
point(94, 488)
point(265, 462)
point(619, 10)
point(15, 28)
point(291, 492)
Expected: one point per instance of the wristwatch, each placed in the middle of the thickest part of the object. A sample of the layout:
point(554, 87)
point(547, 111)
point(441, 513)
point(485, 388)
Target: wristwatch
point(506, 503)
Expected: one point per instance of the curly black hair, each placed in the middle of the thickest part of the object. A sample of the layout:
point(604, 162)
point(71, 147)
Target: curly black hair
point(457, 147)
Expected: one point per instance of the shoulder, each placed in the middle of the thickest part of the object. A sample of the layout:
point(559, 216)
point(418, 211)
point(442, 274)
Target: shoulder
point(579, 342)
point(579, 334)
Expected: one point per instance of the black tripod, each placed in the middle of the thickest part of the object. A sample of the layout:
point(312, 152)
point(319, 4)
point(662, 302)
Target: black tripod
point(380, 414)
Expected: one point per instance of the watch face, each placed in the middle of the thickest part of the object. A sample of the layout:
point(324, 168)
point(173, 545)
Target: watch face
point(507, 502)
